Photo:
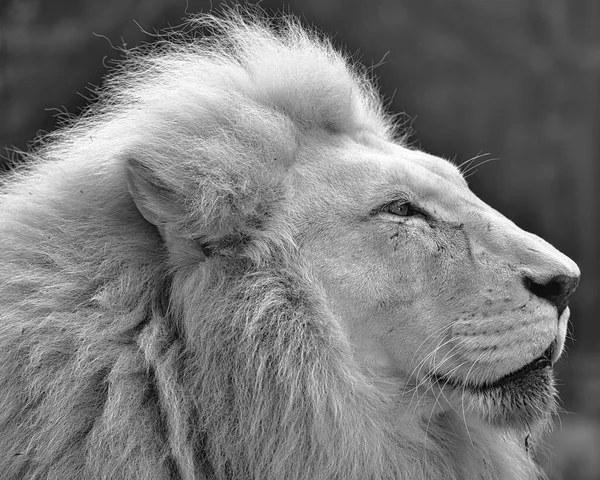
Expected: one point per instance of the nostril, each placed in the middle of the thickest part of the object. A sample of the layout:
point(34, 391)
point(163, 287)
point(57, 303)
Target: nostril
point(552, 289)
point(557, 290)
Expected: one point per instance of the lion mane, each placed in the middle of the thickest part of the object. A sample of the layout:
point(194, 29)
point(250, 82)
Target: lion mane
point(199, 347)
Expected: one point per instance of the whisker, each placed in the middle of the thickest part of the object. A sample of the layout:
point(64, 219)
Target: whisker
point(426, 379)
point(467, 163)
point(473, 168)
point(417, 369)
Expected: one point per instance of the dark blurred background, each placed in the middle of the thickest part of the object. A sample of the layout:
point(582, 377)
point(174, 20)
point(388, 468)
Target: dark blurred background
point(515, 79)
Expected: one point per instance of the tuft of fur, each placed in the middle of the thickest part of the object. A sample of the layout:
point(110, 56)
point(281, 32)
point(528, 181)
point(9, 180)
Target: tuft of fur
point(157, 320)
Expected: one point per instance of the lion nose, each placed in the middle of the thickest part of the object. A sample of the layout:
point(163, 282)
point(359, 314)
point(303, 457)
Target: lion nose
point(557, 290)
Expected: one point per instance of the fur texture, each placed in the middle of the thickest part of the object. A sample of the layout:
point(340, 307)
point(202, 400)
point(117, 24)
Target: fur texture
point(159, 319)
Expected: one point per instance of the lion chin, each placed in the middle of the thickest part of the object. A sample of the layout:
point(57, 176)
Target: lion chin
point(523, 399)
point(233, 267)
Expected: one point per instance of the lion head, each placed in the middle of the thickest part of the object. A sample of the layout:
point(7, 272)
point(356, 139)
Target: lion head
point(432, 286)
point(234, 268)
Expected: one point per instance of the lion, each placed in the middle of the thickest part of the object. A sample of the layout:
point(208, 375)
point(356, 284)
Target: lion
point(234, 267)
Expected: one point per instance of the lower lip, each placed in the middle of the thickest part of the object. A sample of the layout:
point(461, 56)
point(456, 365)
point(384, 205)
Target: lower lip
point(543, 361)
point(537, 364)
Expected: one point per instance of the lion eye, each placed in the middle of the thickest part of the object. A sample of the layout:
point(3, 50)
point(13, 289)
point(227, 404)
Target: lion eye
point(400, 208)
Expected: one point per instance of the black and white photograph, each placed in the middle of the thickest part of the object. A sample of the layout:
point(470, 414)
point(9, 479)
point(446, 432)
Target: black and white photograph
point(301, 240)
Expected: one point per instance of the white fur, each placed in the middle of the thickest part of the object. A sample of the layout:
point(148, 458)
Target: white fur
point(126, 353)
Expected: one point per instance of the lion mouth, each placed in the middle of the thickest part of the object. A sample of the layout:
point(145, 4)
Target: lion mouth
point(545, 360)
point(518, 399)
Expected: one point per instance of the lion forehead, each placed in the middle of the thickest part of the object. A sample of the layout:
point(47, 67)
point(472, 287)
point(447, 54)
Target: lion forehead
point(357, 177)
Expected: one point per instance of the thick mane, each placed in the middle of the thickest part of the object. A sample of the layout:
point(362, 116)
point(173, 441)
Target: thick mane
point(126, 356)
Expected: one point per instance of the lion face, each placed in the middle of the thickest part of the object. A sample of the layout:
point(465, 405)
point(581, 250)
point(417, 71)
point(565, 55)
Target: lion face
point(433, 287)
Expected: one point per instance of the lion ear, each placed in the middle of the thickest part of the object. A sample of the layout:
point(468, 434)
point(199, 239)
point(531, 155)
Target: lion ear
point(162, 207)
point(157, 204)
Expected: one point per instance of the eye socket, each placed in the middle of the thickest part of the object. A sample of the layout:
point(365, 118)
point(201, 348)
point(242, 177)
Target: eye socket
point(401, 208)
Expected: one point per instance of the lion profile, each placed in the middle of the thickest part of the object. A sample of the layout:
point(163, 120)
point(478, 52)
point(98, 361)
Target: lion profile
point(232, 268)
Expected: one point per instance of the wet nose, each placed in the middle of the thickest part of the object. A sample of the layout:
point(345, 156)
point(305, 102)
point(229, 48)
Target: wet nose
point(557, 290)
